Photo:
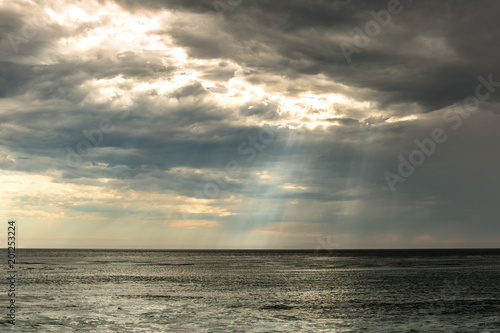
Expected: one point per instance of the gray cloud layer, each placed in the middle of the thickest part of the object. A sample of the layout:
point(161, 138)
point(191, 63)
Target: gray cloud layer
point(425, 61)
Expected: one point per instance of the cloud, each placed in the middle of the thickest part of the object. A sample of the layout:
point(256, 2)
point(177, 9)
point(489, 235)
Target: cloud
point(120, 114)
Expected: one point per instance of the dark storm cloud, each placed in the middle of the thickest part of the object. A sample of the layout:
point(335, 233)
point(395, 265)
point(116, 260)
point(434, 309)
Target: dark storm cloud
point(431, 53)
point(428, 58)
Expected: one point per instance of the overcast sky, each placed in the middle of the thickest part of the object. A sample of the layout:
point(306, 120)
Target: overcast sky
point(250, 124)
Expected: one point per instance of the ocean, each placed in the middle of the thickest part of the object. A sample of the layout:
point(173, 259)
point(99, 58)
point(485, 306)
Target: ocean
point(255, 291)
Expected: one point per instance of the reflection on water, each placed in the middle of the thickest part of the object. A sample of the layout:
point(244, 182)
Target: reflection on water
point(258, 291)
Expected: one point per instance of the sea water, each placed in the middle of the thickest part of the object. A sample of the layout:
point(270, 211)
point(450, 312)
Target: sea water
point(255, 291)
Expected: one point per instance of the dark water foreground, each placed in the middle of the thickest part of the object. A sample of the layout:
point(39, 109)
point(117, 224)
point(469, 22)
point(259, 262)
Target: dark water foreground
point(256, 291)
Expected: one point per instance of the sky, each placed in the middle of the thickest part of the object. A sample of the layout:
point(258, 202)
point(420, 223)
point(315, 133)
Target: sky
point(180, 124)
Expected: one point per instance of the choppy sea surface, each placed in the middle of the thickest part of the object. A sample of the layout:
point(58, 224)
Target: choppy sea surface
point(256, 291)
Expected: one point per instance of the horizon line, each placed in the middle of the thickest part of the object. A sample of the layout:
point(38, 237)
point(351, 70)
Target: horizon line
point(254, 249)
